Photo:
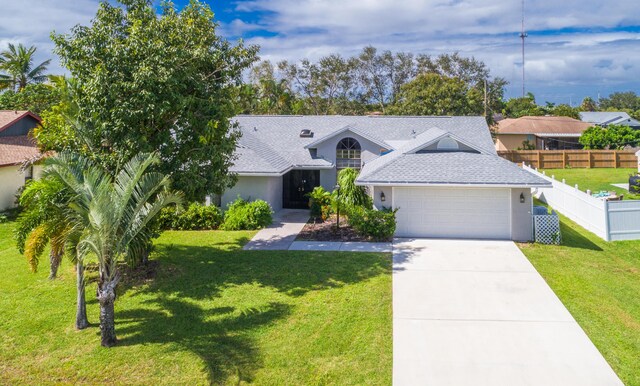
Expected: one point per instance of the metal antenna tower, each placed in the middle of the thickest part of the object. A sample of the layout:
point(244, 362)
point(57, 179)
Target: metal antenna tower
point(523, 35)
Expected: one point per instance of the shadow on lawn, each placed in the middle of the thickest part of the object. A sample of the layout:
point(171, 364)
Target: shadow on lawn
point(222, 336)
point(573, 239)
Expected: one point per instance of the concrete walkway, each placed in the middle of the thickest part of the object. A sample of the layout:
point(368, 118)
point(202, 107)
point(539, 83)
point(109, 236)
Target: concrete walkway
point(287, 223)
point(478, 313)
point(348, 246)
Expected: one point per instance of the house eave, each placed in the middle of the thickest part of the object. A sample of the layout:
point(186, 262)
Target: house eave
point(450, 185)
point(283, 172)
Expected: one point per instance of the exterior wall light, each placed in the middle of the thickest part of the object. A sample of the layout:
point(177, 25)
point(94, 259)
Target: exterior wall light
point(522, 198)
point(382, 197)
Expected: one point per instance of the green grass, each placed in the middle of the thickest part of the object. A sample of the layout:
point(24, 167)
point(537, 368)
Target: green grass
point(599, 282)
point(212, 314)
point(596, 179)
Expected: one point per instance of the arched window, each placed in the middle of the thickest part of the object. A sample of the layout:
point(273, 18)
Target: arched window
point(448, 144)
point(348, 154)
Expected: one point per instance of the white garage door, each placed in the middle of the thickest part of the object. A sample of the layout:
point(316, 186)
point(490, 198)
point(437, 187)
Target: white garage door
point(453, 212)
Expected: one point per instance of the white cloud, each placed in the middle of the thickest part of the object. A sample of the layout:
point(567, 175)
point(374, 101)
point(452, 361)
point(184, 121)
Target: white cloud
point(31, 22)
point(557, 57)
point(601, 57)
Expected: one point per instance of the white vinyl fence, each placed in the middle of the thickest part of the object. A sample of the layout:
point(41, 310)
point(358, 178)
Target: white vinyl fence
point(610, 220)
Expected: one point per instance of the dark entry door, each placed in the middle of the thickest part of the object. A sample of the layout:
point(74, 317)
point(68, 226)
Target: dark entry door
point(296, 185)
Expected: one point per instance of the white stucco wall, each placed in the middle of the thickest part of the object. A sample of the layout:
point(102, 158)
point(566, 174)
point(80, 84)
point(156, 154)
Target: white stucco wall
point(11, 180)
point(253, 188)
point(521, 220)
point(388, 196)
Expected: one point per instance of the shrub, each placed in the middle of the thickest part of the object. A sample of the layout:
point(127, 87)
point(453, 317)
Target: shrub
point(245, 215)
point(376, 224)
point(351, 196)
point(195, 217)
point(3, 218)
point(320, 203)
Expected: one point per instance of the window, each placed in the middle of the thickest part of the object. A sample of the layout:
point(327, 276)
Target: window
point(348, 154)
point(447, 144)
point(28, 174)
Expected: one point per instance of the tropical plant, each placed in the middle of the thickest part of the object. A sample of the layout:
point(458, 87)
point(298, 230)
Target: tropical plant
point(319, 203)
point(44, 220)
point(246, 215)
point(611, 137)
point(375, 224)
point(112, 214)
point(17, 63)
point(195, 217)
point(350, 195)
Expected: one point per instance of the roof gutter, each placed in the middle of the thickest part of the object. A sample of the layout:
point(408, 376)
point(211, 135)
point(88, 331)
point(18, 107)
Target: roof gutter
point(285, 171)
point(451, 185)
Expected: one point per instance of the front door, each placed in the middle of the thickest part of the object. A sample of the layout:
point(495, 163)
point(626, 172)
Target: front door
point(296, 185)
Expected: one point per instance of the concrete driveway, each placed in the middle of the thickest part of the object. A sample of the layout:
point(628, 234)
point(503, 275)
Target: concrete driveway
point(477, 313)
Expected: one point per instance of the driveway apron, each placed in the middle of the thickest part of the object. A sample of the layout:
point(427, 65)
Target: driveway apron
point(469, 312)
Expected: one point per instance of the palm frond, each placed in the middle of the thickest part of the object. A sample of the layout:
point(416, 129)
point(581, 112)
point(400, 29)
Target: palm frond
point(34, 246)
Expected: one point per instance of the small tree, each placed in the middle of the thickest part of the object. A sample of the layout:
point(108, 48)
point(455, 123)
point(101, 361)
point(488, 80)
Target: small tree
point(45, 220)
point(351, 195)
point(112, 215)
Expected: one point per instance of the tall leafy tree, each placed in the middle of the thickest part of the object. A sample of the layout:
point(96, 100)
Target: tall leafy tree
point(17, 64)
point(164, 82)
point(36, 98)
point(621, 101)
point(471, 71)
point(588, 104)
point(433, 94)
point(45, 220)
point(112, 214)
point(523, 106)
point(612, 137)
point(564, 110)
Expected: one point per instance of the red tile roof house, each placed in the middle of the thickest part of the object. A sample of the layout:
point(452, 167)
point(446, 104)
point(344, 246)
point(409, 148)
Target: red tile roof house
point(16, 149)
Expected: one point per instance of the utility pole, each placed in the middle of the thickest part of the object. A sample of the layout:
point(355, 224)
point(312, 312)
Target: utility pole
point(523, 35)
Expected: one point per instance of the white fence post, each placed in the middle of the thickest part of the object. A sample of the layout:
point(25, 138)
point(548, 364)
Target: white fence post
point(615, 220)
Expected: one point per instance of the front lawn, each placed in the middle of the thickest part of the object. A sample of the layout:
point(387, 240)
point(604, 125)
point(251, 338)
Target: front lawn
point(212, 314)
point(599, 282)
point(596, 179)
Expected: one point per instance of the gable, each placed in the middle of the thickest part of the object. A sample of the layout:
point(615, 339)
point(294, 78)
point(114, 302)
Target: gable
point(447, 144)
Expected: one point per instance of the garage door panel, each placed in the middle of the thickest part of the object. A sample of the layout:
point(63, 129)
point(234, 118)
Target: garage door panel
point(453, 212)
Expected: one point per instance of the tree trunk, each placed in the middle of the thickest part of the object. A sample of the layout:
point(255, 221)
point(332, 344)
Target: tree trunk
point(145, 254)
point(54, 263)
point(81, 307)
point(106, 298)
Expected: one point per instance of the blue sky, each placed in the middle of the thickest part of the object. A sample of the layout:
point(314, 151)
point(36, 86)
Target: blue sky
point(575, 47)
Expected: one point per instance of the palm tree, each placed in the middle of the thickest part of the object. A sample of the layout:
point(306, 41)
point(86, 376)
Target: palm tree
point(17, 63)
point(112, 214)
point(44, 221)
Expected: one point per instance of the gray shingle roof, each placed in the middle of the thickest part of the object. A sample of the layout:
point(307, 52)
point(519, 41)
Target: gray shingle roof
point(449, 168)
point(608, 118)
point(280, 135)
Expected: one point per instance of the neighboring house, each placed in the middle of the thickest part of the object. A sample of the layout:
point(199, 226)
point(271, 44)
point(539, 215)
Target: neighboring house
point(541, 133)
point(442, 173)
point(606, 118)
point(16, 148)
